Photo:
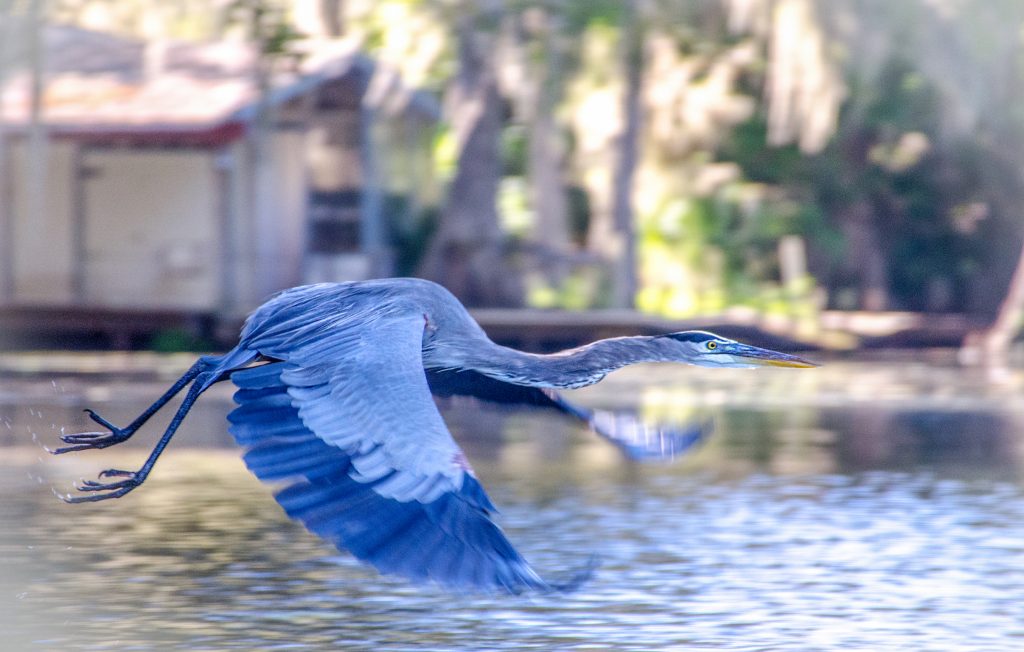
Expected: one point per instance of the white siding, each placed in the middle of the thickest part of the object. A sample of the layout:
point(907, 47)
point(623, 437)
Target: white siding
point(42, 225)
point(156, 232)
point(282, 214)
point(270, 230)
point(152, 237)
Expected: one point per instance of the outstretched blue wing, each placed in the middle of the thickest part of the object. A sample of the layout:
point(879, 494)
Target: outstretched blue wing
point(371, 469)
point(637, 439)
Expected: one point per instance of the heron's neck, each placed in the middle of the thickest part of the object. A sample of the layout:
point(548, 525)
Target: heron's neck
point(577, 367)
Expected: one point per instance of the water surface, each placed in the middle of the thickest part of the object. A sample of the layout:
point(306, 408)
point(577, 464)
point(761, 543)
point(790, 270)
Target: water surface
point(858, 506)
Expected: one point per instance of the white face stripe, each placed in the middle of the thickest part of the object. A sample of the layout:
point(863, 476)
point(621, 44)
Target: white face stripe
point(698, 337)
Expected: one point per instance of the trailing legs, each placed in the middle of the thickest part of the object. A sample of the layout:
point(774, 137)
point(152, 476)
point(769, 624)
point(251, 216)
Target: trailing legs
point(86, 440)
point(132, 479)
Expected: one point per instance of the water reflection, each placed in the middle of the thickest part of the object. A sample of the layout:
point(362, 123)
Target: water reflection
point(864, 507)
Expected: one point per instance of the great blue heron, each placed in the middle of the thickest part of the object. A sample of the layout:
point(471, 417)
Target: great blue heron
point(334, 394)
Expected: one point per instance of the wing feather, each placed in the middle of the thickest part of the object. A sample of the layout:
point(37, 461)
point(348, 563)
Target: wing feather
point(636, 438)
point(371, 465)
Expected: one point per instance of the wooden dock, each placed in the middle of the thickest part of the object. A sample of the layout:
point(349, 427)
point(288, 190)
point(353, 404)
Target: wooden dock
point(530, 329)
point(89, 327)
point(834, 330)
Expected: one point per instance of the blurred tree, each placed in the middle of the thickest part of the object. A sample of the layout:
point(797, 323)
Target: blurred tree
point(267, 24)
point(990, 347)
point(541, 93)
point(320, 18)
point(467, 251)
point(923, 177)
point(603, 109)
point(888, 135)
point(970, 54)
point(621, 241)
point(711, 228)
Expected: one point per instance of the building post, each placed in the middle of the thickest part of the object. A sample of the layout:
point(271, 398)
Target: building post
point(6, 220)
point(224, 163)
point(79, 216)
point(371, 239)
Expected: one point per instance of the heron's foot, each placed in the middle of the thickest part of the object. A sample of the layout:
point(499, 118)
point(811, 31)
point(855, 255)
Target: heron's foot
point(86, 440)
point(103, 490)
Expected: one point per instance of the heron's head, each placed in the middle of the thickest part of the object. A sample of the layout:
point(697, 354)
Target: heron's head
point(709, 350)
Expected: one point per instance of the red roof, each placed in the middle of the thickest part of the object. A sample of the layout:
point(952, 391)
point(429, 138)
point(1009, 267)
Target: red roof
point(101, 86)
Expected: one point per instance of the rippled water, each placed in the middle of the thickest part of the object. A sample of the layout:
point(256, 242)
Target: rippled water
point(859, 506)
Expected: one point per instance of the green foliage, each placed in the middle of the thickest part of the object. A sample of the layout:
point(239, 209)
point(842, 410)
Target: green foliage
point(579, 214)
point(720, 251)
point(938, 208)
point(175, 340)
point(445, 150)
point(514, 149)
point(747, 145)
point(594, 13)
point(581, 289)
point(888, 161)
point(514, 210)
point(409, 232)
point(267, 23)
point(890, 153)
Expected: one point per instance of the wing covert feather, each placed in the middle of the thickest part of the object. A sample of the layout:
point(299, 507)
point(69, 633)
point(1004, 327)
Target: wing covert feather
point(373, 392)
point(371, 464)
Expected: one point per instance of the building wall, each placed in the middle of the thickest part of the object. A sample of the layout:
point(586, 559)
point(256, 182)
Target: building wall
point(206, 230)
point(283, 216)
point(151, 236)
point(267, 219)
point(41, 224)
point(188, 229)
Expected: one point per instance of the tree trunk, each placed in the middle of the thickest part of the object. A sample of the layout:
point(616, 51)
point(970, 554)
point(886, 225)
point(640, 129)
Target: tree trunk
point(467, 253)
point(610, 235)
point(625, 281)
point(547, 184)
point(990, 347)
point(36, 170)
point(318, 19)
point(332, 15)
point(865, 259)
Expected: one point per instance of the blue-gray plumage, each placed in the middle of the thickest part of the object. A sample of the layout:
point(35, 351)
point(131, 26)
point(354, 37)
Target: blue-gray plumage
point(335, 397)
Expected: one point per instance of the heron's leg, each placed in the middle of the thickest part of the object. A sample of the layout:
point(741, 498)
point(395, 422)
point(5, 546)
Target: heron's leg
point(86, 440)
point(133, 479)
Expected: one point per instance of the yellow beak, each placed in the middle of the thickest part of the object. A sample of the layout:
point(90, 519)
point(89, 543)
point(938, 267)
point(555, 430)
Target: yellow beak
point(767, 358)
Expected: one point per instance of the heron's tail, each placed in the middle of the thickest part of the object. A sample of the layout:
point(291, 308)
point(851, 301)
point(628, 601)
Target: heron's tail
point(219, 367)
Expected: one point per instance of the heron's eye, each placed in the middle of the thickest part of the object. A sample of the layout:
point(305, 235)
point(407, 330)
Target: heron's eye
point(712, 345)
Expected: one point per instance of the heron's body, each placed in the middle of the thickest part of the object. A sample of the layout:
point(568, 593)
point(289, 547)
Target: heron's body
point(335, 398)
point(450, 338)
